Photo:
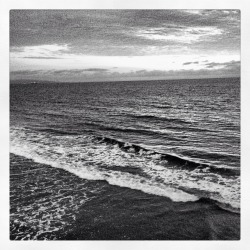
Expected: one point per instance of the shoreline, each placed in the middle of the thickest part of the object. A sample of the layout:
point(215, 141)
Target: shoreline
point(95, 210)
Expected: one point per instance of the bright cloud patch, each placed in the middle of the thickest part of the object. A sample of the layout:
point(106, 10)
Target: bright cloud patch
point(180, 35)
point(42, 51)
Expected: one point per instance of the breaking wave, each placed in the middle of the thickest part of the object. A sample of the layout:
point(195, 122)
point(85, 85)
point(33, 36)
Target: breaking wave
point(129, 165)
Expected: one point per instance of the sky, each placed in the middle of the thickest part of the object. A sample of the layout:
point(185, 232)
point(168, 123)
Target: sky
point(111, 45)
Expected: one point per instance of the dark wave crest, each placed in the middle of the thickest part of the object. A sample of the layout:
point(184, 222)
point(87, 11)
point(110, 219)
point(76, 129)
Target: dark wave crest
point(58, 131)
point(172, 159)
point(157, 118)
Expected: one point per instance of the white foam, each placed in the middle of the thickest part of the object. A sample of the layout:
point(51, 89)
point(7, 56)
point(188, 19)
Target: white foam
point(92, 161)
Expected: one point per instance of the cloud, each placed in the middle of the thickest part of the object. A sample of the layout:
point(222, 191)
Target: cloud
point(79, 71)
point(188, 63)
point(181, 34)
point(27, 72)
point(126, 32)
point(114, 44)
point(42, 57)
point(51, 51)
point(96, 70)
point(228, 65)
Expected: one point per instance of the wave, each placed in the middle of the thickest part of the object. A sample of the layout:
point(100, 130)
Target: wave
point(151, 132)
point(119, 129)
point(128, 165)
point(175, 160)
point(161, 106)
point(172, 193)
point(159, 118)
point(178, 126)
point(123, 180)
point(58, 131)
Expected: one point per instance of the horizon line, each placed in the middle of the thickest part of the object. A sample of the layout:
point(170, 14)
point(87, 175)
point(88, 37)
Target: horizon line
point(29, 81)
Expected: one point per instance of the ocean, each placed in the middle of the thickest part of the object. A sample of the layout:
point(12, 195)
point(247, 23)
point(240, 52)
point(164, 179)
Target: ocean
point(137, 160)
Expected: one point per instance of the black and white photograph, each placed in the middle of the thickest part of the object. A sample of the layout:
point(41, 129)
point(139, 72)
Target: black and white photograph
point(125, 124)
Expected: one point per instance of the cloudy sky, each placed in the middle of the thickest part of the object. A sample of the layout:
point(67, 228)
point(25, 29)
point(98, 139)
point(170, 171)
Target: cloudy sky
point(105, 45)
